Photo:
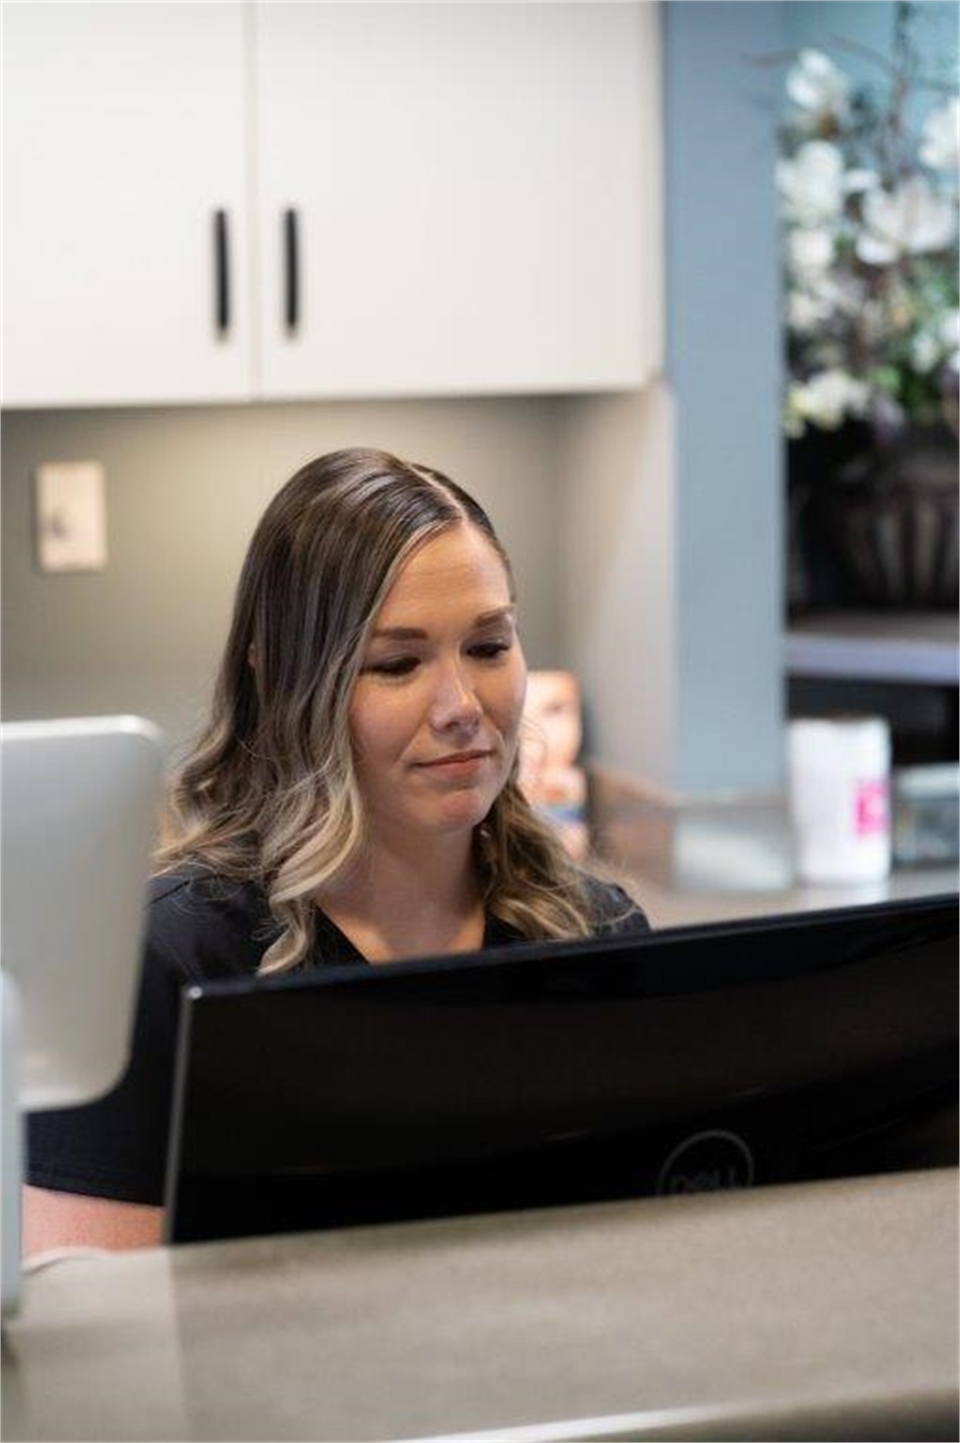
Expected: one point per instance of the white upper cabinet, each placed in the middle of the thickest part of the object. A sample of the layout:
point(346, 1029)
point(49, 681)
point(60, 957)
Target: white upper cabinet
point(123, 137)
point(445, 199)
point(461, 190)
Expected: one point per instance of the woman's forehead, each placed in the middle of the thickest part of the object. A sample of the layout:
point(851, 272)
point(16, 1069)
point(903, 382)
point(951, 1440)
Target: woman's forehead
point(456, 566)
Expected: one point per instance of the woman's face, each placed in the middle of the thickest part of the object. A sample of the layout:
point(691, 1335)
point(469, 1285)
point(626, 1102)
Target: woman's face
point(436, 708)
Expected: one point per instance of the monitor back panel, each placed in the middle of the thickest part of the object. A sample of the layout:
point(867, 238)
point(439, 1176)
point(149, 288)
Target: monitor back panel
point(714, 1057)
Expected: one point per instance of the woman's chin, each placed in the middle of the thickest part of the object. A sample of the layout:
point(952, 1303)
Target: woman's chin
point(458, 812)
point(462, 819)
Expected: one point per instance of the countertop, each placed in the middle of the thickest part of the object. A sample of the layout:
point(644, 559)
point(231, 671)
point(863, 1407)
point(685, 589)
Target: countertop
point(817, 1310)
point(673, 906)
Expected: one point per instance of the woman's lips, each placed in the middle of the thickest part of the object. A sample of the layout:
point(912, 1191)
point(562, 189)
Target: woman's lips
point(458, 764)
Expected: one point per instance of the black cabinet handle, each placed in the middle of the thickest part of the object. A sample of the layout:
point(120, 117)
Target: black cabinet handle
point(291, 251)
point(221, 263)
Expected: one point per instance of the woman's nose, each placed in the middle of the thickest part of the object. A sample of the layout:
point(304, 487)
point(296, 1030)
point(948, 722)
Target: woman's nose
point(454, 702)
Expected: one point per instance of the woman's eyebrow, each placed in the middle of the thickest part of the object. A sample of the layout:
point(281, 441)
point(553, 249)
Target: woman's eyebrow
point(501, 613)
point(399, 633)
point(416, 633)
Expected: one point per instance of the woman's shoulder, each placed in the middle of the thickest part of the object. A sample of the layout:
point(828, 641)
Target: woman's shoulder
point(613, 912)
point(192, 885)
point(208, 926)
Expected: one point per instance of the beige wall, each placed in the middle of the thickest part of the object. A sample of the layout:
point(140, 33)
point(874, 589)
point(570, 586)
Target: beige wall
point(184, 490)
point(618, 577)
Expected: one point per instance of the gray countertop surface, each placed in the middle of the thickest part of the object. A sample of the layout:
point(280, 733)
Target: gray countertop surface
point(816, 1310)
point(672, 906)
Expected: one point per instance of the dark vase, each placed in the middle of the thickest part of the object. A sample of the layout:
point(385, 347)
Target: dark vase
point(871, 524)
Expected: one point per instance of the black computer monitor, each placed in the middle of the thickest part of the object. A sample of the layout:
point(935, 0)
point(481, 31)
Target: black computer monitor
point(725, 1055)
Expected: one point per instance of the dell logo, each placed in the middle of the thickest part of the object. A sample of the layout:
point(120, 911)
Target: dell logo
point(707, 1162)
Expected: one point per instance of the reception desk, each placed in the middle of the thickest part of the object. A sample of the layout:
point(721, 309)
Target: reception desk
point(817, 1310)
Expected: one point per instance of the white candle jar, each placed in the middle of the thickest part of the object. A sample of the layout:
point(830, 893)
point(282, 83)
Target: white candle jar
point(839, 788)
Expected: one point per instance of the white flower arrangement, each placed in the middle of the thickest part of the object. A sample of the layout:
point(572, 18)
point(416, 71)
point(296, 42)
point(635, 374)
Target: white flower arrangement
point(870, 216)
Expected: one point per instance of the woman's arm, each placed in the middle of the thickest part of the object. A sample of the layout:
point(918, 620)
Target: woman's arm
point(70, 1220)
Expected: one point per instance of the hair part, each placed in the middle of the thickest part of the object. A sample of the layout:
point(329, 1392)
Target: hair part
point(269, 793)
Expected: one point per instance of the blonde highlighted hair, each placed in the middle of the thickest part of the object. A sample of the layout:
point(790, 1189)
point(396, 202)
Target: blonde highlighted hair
point(269, 793)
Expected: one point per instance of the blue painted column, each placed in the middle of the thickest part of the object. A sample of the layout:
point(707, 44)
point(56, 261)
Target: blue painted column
point(723, 369)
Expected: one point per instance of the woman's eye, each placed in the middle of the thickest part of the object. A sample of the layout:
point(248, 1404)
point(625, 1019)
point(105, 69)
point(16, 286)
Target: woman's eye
point(489, 650)
point(399, 666)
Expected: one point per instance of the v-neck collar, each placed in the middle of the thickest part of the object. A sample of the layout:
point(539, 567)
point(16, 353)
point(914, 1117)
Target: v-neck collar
point(333, 948)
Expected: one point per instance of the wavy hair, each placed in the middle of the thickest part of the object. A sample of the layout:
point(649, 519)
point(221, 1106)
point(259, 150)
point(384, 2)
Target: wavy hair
point(269, 792)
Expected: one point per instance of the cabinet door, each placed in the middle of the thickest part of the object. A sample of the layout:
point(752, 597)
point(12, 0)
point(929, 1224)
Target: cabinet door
point(472, 191)
point(123, 136)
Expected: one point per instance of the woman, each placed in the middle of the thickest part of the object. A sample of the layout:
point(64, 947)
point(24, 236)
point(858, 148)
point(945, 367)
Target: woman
point(353, 799)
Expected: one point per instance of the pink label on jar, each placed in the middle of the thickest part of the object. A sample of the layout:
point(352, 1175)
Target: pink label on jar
point(871, 810)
